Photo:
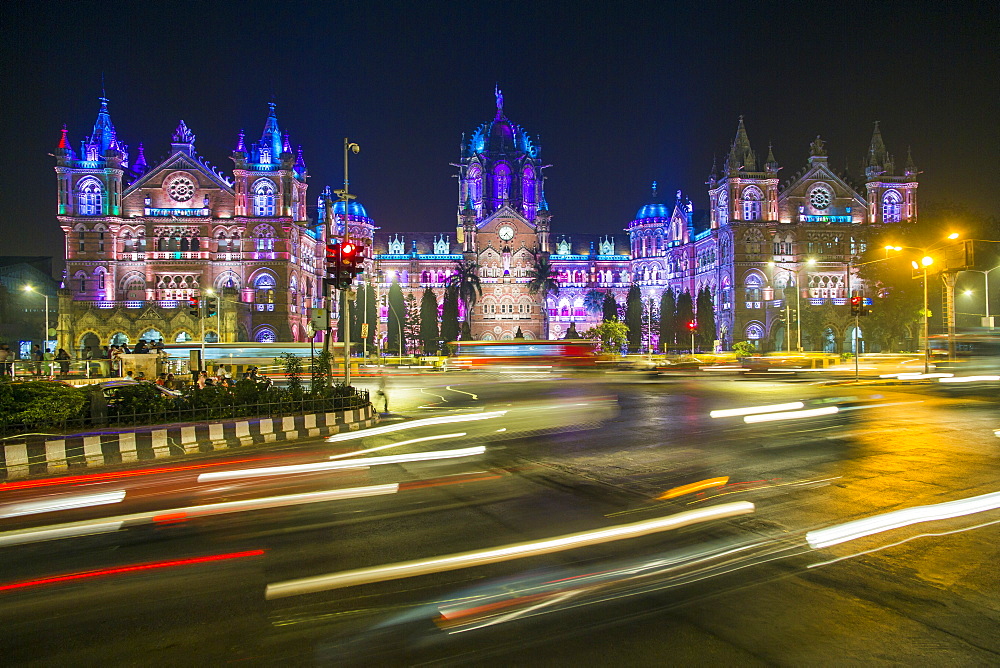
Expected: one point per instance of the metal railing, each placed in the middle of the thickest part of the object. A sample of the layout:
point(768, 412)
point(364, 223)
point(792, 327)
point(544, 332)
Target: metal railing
point(207, 404)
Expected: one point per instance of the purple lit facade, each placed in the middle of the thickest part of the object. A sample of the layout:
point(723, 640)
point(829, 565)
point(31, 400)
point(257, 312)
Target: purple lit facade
point(749, 248)
point(142, 239)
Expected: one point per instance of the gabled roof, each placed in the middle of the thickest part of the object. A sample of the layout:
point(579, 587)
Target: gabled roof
point(819, 170)
point(506, 211)
point(179, 161)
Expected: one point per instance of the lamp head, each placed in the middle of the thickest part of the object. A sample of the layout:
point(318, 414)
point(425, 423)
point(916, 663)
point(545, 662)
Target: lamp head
point(28, 288)
point(914, 264)
point(953, 235)
point(927, 260)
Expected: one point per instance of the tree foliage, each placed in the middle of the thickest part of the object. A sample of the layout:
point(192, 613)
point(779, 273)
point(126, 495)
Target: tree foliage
point(449, 315)
point(633, 318)
point(396, 320)
point(411, 330)
point(613, 336)
point(668, 319)
point(429, 322)
point(469, 288)
point(706, 319)
point(609, 308)
point(543, 282)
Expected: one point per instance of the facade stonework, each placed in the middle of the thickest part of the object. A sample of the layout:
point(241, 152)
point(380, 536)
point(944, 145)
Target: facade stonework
point(142, 240)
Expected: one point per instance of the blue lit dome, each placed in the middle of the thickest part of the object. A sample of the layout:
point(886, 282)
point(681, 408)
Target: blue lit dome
point(653, 210)
point(355, 208)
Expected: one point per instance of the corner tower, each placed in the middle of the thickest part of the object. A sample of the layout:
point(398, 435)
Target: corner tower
point(892, 196)
point(744, 191)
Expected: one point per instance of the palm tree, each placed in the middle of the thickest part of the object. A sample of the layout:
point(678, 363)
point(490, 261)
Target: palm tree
point(543, 281)
point(465, 280)
point(593, 301)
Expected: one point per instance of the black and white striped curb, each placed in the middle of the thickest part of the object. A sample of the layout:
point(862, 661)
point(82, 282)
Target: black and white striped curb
point(46, 454)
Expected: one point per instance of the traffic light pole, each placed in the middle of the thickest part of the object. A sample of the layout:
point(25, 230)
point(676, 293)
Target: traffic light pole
point(345, 316)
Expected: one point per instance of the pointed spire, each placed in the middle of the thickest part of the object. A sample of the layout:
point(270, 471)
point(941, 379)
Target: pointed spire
point(771, 165)
point(103, 134)
point(63, 141)
point(241, 146)
point(741, 156)
point(140, 165)
point(286, 146)
point(183, 139)
point(654, 192)
point(877, 155)
point(271, 137)
point(911, 168)
point(300, 164)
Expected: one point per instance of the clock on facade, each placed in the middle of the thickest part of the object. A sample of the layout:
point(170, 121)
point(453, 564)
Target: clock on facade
point(506, 232)
point(820, 198)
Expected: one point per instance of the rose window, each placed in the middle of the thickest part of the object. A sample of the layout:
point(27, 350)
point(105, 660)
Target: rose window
point(181, 189)
point(820, 198)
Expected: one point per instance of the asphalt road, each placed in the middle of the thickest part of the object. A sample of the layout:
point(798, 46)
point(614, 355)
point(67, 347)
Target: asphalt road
point(171, 569)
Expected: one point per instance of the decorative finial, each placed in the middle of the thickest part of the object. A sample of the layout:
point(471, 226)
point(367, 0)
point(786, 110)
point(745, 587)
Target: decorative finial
point(286, 146)
point(499, 94)
point(654, 191)
point(63, 141)
point(270, 106)
point(817, 147)
point(240, 145)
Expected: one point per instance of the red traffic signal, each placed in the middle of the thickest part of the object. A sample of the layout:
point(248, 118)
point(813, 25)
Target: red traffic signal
point(347, 249)
point(692, 325)
point(194, 307)
point(856, 305)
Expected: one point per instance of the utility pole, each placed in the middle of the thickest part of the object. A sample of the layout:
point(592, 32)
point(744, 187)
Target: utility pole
point(346, 197)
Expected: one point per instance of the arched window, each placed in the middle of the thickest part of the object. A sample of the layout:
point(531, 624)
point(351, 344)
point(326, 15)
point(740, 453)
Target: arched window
point(134, 288)
point(223, 242)
point(501, 181)
point(195, 244)
point(723, 208)
point(264, 238)
point(753, 284)
point(90, 201)
point(528, 186)
point(754, 239)
point(475, 185)
point(264, 289)
point(755, 331)
point(82, 278)
point(265, 335)
point(263, 198)
point(752, 197)
point(891, 207)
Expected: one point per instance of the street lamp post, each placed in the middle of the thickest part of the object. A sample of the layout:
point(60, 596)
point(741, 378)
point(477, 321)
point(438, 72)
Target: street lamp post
point(45, 336)
point(986, 279)
point(346, 197)
point(798, 304)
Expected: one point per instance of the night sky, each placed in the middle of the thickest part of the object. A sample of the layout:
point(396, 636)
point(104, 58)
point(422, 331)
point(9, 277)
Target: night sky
point(620, 96)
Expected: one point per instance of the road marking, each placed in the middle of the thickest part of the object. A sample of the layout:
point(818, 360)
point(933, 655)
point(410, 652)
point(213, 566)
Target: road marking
point(432, 394)
point(474, 396)
point(461, 560)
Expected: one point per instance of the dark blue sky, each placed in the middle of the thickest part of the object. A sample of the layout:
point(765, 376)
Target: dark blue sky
point(620, 95)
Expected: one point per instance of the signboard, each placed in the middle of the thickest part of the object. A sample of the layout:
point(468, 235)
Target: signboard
point(364, 330)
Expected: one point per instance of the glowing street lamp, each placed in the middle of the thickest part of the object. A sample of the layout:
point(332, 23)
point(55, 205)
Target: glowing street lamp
point(45, 337)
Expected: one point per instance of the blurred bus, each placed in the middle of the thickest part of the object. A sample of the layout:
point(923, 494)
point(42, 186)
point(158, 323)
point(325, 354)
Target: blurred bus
point(974, 353)
point(573, 353)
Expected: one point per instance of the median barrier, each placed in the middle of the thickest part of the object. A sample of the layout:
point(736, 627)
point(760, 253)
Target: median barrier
point(46, 454)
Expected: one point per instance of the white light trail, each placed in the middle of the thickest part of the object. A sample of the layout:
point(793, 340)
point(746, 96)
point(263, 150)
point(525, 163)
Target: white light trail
point(51, 505)
point(793, 415)
point(413, 424)
point(395, 445)
point(896, 519)
point(109, 524)
point(968, 379)
point(753, 410)
point(452, 562)
point(340, 464)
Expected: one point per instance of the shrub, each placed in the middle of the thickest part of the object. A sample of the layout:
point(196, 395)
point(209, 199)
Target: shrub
point(42, 404)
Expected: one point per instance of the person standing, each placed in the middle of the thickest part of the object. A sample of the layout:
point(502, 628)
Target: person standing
point(63, 358)
point(36, 360)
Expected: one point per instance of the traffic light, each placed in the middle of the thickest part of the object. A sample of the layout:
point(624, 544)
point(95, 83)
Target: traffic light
point(866, 309)
point(211, 306)
point(856, 303)
point(692, 325)
point(333, 265)
point(193, 308)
